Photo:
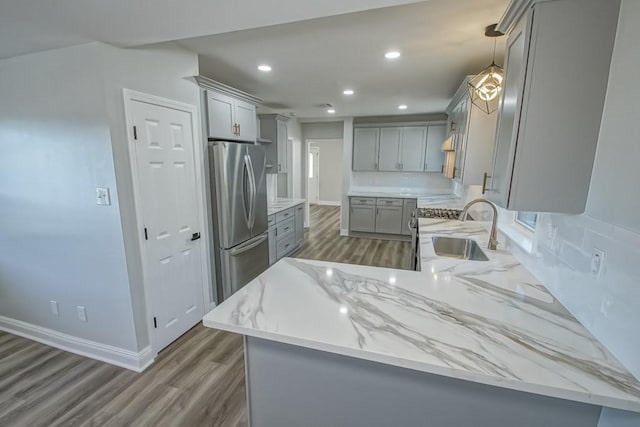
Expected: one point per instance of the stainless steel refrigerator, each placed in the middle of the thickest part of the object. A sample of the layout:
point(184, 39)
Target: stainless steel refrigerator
point(239, 208)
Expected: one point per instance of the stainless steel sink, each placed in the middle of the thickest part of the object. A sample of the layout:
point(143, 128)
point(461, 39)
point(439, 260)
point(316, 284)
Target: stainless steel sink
point(453, 247)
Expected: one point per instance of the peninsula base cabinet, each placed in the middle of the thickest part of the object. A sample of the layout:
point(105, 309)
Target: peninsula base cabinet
point(380, 215)
point(286, 232)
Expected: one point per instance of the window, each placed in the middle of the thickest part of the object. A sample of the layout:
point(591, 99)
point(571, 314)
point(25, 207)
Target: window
point(527, 219)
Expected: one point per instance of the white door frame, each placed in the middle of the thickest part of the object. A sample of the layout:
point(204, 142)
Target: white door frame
point(131, 96)
point(305, 172)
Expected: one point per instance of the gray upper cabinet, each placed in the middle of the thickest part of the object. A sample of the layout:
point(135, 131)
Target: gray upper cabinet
point(434, 157)
point(412, 149)
point(556, 75)
point(474, 136)
point(389, 149)
point(220, 114)
point(398, 148)
point(230, 113)
point(274, 128)
point(365, 149)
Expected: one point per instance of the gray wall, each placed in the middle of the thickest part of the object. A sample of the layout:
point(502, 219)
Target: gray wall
point(62, 134)
point(330, 170)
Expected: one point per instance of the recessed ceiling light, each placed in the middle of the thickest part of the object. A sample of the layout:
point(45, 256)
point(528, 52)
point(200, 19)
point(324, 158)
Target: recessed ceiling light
point(348, 92)
point(392, 54)
point(264, 67)
point(331, 111)
point(402, 107)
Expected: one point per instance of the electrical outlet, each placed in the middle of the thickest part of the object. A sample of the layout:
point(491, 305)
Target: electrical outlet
point(54, 308)
point(597, 261)
point(102, 197)
point(82, 313)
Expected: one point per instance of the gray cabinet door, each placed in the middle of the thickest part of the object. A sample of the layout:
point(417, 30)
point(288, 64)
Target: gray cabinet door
point(245, 118)
point(365, 149)
point(220, 114)
point(283, 138)
point(388, 219)
point(412, 148)
point(362, 218)
point(408, 207)
point(434, 159)
point(299, 224)
point(508, 118)
point(272, 245)
point(389, 158)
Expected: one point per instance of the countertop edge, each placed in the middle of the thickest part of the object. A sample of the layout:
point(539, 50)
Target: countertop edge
point(586, 397)
point(272, 210)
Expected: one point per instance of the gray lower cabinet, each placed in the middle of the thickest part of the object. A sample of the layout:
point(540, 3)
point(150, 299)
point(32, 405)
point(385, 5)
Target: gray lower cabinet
point(272, 239)
point(299, 224)
point(388, 219)
point(286, 232)
point(362, 214)
point(408, 207)
point(380, 215)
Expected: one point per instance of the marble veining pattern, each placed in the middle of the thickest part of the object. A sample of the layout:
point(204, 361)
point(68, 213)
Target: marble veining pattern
point(280, 204)
point(489, 322)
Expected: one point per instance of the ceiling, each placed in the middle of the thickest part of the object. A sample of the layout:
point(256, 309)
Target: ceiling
point(313, 61)
point(34, 25)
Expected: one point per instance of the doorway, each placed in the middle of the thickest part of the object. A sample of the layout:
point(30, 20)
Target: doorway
point(313, 167)
point(165, 166)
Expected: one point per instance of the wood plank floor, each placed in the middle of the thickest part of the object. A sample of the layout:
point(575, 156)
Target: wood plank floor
point(197, 381)
point(323, 242)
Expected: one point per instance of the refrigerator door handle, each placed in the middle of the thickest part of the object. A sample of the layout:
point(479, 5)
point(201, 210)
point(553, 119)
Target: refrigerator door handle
point(249, 245)
point(252, 178)
point(248, 202)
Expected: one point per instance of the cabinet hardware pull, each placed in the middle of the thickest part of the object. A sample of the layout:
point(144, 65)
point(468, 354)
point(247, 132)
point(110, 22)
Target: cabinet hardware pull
point(442, 168)
point(375, 166)
point(239, 129)
point(484, 182)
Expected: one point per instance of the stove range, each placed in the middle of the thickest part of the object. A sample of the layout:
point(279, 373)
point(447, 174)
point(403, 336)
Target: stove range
point(439, 213)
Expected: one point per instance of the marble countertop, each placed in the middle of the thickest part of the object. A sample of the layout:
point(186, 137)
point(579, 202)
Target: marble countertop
point(280, 204)
point(393, 194)
point(489, 322)
point(450, 201)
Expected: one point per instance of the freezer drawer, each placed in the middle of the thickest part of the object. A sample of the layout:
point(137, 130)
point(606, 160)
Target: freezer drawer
point(242, 264)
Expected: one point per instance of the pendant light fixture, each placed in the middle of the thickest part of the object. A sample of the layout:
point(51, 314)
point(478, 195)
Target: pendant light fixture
point(485, 88)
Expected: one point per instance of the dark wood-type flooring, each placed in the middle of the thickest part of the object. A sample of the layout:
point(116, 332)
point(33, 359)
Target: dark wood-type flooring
point(196, 381)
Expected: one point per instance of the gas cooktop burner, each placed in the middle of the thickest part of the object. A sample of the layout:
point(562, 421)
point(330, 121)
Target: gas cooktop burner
point(439, 213)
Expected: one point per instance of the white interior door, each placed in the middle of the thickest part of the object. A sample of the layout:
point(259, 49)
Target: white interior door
point(164, 149)
point(314, 174)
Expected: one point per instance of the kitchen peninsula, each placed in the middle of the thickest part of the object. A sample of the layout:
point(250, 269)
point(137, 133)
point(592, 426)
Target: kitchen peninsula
point(458, 343)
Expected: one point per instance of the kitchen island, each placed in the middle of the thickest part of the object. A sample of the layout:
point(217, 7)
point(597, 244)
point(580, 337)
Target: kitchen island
point(458, 343)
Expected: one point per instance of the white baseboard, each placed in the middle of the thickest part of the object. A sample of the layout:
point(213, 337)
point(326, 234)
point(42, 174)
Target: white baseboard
point(135, 361)
point(344, 232)
point(328, 203)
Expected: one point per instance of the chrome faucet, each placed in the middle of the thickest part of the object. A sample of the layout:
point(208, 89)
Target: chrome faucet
point(493, 237)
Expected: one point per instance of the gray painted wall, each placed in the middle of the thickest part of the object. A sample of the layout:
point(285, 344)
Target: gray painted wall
point(62, 134)
point(330, 170)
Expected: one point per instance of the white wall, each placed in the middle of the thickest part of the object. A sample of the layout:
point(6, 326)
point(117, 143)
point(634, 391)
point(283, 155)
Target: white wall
point(330, 170)
point(607, 305)
point(56, 244)
point(62, 134)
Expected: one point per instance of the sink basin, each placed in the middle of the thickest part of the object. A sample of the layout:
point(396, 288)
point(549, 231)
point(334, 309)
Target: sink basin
point(453, 247)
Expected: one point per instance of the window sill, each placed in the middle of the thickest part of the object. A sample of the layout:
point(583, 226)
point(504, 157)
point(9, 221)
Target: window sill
point(519, 235)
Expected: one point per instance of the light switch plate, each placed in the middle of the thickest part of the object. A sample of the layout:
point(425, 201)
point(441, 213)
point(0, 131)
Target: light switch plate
point(54, 308)
point(102, 196)
point(597, 261)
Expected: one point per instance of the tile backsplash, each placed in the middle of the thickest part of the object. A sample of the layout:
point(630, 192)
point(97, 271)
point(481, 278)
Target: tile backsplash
point(401, 182)
point(607, 304)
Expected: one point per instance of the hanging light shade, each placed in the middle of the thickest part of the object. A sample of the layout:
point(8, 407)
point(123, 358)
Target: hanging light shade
point(485, 88)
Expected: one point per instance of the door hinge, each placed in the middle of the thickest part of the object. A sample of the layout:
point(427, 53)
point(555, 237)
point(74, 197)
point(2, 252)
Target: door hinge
point(135, 133)
point(155, 323)
point(146, 235)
